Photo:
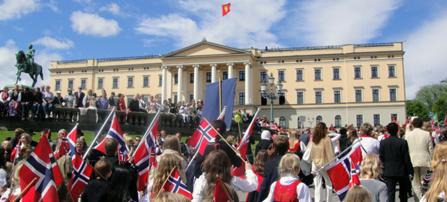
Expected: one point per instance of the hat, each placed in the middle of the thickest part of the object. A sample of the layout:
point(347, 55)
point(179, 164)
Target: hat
point(80, 87)
point(58, 92)
point(69, 89)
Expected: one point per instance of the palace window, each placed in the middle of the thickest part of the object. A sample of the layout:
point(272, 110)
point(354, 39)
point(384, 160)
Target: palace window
point(58, 85)
point(84, 83)
point(391, 71)
point(208, 77)
point(359, 119)
point(100, 83)
point(338, 121)
point(241, 75)
point(299, 75)
point(191, 77)
point(358, 95)
point(145, 81)
point(115, 82)
point(318, 97)
point(374, 72)
point(336, 73)
point(300, 97)
point(317, 74)
point(281, 76)
point(263, 77)
point(376, 119)
point(224, 75)
point(176, 78)
point(160, 80)
point(337, 97)
point(241, 98)
point(357, 72)
point(393, 96)
point(282, 121)
point(319, 119)
point(70, 84)
point(375, 95)
point(130, 82)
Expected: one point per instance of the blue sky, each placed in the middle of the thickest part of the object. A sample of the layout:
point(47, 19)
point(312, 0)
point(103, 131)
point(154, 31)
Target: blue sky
point(81, 29)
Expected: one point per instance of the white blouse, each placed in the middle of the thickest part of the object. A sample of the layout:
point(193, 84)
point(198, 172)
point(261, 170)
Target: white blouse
point(246, 185)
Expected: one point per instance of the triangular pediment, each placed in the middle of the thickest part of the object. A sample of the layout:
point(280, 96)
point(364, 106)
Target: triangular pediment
point(205, 48)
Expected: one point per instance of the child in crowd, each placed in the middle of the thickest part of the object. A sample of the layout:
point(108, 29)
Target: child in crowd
point(217, 163)
point(164, 168)
point(96, 189)
point(289, 187)
point(258, 169)
point(358, 193)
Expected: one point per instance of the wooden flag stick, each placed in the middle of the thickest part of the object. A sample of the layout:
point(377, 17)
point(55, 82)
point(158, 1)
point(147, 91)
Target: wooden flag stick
point(161, 188)
point(25, 190)
point(224, 140)
point(225, 188)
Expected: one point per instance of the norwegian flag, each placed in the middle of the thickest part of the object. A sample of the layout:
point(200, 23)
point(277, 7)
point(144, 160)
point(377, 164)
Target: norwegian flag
point(242, 147)
point(203, 134)
point(42, 165)
point(222, 114)
point(175, 184)
point(16, 151)
point(68, 144)
point(345, 172)
point(114, 132)
point(145, 155)
point(221, 193)
point(79, 177)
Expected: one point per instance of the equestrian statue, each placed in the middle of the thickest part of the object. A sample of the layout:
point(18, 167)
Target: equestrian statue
point(25, 63)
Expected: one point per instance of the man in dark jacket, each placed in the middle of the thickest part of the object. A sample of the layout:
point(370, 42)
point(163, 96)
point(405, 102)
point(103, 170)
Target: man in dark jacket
point(27, 103)
point(79, 98)
point(394, 154)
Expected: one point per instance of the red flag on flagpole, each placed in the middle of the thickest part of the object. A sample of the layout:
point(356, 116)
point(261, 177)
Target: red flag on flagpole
point(203, 134)
point(175, 184)
point(79, 177)
point(225, 9)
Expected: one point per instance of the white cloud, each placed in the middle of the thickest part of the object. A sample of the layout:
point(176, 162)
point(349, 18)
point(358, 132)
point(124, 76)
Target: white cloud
point(246, 25)
point(14, 9)
point(8, 60)
point(425, 52)
point(112, 7)
point(329, 22)
point(93, 24)
point(52, 43)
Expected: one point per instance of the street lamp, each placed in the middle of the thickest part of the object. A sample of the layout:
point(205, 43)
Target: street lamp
point(271, 95)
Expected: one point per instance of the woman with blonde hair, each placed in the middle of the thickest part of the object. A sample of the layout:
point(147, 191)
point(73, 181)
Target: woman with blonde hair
point(171, 146)
point(358, 193)
point(289, 187)
point(164, 168)
point(438, 185)
point(369, 173)
point(439, 153)
point(319, 152)
point(295, 145)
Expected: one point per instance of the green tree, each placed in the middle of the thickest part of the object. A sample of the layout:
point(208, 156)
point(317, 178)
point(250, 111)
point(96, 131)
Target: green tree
point(417, 108)
point(430, 94)
point(440, 107)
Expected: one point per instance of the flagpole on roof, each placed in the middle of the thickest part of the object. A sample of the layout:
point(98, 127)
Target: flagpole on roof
point(99, 132)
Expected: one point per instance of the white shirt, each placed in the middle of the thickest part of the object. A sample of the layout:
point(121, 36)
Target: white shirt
point(334, 138)
point(246, 185)
point(370, 146)
point(302, 190)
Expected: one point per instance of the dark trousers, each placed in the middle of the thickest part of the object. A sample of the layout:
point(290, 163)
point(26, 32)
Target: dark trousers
point(403, 188)
point(25, 110)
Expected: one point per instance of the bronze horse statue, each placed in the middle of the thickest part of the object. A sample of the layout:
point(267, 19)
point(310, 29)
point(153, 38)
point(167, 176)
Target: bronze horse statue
point(34, 69)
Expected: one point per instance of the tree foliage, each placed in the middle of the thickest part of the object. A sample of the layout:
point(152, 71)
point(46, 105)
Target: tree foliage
point(417, 108)
point(433, 97)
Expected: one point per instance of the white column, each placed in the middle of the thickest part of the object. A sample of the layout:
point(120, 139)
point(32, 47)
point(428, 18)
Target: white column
point(196, 82)
point(248, 81)
point(213, 73)
point(180, 83)
point(230, 70)
point(163, 83)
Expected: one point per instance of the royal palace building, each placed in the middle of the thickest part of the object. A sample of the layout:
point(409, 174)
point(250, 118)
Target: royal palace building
point(339, 85)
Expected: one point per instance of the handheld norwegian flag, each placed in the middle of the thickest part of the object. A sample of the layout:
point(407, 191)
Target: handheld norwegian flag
point(221, 193)
point(222, 114)
point(68, 144)
point(114, 132)
point(16, 151)
point(203, 134)
point(145, 156)
point(79, 177)
point(41, 165)
point(331, 128)
point(243, 145)
point(175, 184)
point(345, 172)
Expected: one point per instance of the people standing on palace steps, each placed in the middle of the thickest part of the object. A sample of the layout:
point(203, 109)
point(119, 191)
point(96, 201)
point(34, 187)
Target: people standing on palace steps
point(79, 98)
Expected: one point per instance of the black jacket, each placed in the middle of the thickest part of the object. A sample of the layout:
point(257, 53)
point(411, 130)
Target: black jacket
point(394, 154)
point(79, 99)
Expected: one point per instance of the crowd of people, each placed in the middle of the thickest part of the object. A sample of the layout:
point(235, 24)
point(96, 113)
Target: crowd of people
point(285, 164)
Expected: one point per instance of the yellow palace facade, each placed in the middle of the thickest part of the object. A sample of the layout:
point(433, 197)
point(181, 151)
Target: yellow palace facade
point(343, 84)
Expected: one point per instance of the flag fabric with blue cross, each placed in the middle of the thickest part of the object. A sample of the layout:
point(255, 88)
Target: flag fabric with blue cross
point(203, 134)
point(175, 184)
point(79, 177)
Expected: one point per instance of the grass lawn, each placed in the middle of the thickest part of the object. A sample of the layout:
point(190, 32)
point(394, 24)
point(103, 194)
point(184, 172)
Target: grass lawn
point(88, 136)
